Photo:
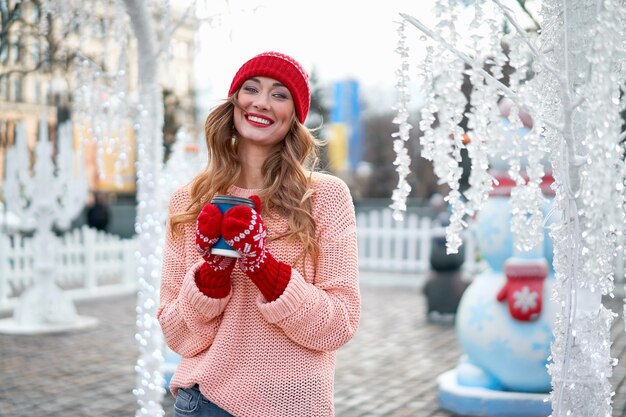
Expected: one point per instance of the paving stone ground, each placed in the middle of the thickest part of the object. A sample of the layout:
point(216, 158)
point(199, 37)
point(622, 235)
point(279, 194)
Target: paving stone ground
point(388, 369)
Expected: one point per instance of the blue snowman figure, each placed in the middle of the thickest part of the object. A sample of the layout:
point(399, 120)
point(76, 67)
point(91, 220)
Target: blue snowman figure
point(504, 324)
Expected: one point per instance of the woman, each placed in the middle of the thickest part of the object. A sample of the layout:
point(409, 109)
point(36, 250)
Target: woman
point(258, 334)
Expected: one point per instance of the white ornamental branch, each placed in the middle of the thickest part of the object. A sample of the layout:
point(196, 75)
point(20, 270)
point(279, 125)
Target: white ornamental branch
point(506, 91)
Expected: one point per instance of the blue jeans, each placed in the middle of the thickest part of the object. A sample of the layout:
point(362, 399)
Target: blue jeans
point(191, 403)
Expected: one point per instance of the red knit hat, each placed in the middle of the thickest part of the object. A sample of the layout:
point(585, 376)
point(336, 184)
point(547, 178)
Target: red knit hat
point(282, 68)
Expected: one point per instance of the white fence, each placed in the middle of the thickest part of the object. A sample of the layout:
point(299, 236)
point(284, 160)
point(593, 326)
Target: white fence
point(89, 264)
point(92, 264)
point(388, 245)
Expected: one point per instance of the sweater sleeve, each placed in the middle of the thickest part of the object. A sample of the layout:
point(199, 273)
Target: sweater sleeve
point(324, 315)
point(189, 319)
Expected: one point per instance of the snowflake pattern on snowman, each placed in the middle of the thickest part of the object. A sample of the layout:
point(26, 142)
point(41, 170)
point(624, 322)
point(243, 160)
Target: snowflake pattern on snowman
point(480, 313)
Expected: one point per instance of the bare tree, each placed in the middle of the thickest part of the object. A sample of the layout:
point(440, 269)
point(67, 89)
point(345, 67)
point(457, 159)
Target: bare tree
point(32, 41)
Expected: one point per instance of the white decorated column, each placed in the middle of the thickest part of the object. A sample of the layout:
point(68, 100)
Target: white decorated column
point(583, 40)
point(149, 389)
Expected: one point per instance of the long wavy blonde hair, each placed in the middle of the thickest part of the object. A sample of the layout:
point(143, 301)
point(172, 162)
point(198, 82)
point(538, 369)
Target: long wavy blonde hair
point(286, 172)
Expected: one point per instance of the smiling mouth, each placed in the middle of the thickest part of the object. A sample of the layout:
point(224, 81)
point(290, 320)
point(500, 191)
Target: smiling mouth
point(259, 120)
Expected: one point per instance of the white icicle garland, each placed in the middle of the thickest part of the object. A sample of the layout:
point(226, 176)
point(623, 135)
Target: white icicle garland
point(483, 108)
point(601, 176)
point(480, 180)
point(443, 138)
point(403, 160)
point(100, 93)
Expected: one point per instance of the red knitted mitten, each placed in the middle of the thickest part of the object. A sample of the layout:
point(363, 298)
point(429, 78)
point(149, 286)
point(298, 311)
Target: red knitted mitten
point(244, 230)
point(523, 289)
point(213, 277)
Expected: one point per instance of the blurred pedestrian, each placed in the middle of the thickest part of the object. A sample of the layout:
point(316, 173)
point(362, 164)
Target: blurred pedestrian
point(98, 212)
point(257, 334)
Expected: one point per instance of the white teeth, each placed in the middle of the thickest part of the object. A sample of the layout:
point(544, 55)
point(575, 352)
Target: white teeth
point(258, 120)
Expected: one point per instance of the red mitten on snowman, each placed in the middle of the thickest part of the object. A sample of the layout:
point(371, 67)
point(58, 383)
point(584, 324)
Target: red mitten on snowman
point(523, 289)
point(213, 277)
point(243, 230)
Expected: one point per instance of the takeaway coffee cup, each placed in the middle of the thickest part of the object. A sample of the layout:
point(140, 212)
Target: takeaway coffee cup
point(224, 203)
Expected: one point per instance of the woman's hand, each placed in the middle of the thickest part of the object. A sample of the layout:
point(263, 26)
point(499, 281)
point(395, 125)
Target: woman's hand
point(244, 230)
point(213, 278)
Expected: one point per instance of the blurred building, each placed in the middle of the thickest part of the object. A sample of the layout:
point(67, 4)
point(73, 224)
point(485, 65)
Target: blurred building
point(345, 147)
point(24, 96)
point(37, 75)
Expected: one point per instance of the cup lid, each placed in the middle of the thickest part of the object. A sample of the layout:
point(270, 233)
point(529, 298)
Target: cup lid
point(233, 200)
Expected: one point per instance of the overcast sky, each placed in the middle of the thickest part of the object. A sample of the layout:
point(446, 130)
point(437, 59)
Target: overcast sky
point(339, 38)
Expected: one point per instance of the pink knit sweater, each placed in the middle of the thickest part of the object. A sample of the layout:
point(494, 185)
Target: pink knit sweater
point(260, 359)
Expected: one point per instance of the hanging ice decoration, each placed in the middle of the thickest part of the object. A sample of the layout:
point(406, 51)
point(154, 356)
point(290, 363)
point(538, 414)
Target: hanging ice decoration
point(101, 102)
point(574, 97)
point(403, 160)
